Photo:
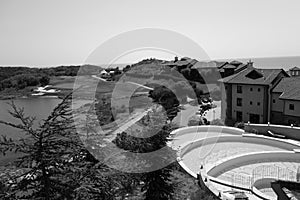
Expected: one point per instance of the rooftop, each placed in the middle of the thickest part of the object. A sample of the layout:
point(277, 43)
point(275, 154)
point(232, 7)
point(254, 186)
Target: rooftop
point(294, 69)
point(185, 61)
point(253, 76)
point(289, 88)
point(236, 63)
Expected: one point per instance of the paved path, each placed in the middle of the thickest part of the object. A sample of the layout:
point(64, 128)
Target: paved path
point(97, 77)
point(133, 119)
point(214, 113)
point(143, 86)
point(183, 117)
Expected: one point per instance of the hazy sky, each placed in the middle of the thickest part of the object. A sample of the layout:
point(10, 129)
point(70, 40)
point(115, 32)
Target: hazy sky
point(55, 32)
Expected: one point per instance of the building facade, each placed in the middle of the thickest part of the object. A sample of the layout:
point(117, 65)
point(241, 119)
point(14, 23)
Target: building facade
point(247, 95)
point(295, 71)
point(285, 107)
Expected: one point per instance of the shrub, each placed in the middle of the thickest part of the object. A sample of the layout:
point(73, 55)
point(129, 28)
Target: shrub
point(240, 125)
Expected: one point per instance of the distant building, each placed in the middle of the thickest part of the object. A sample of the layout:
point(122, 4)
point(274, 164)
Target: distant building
point(234, 67)
point(247, 94)
point(285, 107)
point(109, 72)
point(104, 74)
point(295, 71)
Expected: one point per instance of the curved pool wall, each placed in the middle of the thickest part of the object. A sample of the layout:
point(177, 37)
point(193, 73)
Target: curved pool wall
point(287, 131)
point(252, 158)
point(185, 135)
point(247, 139)
point(263, 183)
point(184, 141)
point(208, 128)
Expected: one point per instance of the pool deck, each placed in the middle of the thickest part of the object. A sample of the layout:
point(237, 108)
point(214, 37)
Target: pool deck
point(201, 147)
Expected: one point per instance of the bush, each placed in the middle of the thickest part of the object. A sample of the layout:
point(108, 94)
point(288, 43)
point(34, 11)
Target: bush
point(167, 99)
point(196, 120)
point(216, 95)
point(240, 125)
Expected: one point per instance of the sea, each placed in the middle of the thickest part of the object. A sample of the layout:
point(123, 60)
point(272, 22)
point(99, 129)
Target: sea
point(285, 63)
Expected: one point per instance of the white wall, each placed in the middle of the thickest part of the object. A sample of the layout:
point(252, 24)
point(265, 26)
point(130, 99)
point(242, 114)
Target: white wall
point(248, 96)
point(278, 105)
point(296, 111)
point(290, 132)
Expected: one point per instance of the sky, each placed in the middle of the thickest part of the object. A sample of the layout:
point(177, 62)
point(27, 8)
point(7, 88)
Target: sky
point(62, 32)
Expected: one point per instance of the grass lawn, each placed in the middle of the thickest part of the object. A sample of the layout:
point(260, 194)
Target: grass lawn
point(62, 82)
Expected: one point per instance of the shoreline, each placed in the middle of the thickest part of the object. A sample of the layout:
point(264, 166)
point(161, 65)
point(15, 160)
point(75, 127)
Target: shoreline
point(28, 95)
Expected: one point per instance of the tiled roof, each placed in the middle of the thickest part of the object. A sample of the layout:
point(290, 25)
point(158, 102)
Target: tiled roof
point(236, 63)
point(236, 66)
point(211, 64)
point(229, 66)
point(184, 62)
point(268, 76)
point(295, 69)
point(241, 67)
point(291, 95)
point(220, 64)
point(289, 88)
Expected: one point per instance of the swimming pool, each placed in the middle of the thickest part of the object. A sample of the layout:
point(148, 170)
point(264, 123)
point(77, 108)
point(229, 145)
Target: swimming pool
point(233, 157)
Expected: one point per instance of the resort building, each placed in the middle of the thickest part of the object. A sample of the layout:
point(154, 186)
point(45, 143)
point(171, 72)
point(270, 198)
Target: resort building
point(246, 96)
point(234, 67)
point(295, 71)
point(285, 108)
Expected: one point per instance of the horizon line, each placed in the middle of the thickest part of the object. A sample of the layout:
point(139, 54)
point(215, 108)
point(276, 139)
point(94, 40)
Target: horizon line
point(99, 65)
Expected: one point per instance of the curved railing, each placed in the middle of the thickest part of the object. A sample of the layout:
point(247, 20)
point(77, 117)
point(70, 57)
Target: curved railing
point(241, 181)
point(252, 158)
point(274, 172)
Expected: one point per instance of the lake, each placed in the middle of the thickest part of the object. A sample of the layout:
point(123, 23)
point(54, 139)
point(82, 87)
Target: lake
point(39, 107)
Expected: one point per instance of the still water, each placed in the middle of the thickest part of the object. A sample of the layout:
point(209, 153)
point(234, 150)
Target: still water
point(38, 107)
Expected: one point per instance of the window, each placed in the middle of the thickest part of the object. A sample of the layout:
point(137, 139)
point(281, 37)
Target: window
point(239, 102)
point(292, 107)
point(239, 116)
point(239, 89)
point(251, 89)
point(258, 89)
point(274, 101)
point(250, 102)
point(258, 103)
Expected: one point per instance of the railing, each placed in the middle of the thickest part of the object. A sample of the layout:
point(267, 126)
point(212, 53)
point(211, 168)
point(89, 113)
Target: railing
point(275, 172)
point(238, 180)
point(262, 172)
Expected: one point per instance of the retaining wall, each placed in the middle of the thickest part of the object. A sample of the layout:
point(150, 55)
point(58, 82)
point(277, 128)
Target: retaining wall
point(288, 131)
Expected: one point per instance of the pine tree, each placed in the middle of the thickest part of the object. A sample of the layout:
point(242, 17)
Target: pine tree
point(156, 184)
point(55, 163)
point(48, 154)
